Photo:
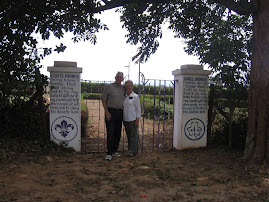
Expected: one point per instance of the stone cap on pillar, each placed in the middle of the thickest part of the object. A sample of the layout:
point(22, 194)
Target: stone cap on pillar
point(191, 69)
point(65, 66)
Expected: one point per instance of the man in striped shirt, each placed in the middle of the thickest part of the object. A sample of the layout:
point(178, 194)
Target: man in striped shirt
point(112, 100)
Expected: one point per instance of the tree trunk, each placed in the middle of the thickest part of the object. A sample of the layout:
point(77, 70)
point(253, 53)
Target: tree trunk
point(257, 141)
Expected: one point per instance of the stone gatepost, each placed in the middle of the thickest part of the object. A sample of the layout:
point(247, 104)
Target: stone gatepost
point(190, 107)
point(65, 109)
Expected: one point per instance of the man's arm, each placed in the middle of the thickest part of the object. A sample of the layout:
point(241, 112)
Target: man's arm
point(108, 115)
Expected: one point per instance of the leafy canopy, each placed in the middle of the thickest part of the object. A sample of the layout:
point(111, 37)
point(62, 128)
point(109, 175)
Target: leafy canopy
point(21, 22)
point(218, 36)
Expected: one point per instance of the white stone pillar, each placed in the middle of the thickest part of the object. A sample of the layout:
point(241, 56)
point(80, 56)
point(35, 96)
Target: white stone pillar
point(190, 107)
point(65, 109)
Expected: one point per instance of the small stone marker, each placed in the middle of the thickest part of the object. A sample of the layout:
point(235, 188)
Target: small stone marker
point(190, 107)
point(65, 109)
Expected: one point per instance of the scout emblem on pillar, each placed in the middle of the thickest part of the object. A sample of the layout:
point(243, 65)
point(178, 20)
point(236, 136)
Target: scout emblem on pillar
point(64, 129)
point(194, 129)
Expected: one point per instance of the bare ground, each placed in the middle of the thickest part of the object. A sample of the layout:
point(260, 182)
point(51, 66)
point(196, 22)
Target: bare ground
point(209, 174)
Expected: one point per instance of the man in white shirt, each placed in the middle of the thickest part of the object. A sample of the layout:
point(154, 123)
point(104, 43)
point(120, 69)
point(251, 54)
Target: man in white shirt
point(131, 116)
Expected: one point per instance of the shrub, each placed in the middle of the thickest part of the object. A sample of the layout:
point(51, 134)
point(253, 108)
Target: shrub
point(220, 129)
point(91, 96)
point(22, 121)
point(151, 111)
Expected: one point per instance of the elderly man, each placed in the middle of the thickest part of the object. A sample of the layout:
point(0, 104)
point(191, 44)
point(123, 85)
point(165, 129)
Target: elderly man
point(112, 100)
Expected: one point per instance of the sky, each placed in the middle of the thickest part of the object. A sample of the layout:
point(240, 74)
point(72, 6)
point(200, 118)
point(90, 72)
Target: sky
point(100, 62)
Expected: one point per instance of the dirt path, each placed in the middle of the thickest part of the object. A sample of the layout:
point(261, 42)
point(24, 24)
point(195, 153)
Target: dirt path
point(212, 174)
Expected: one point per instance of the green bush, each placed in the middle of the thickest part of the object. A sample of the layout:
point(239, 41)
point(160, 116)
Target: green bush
point(151, 90)
point(90, 87)
point(162, 111)
point(22, 121)
point(226, 101)
point(91, 96)
point(220, 130)
point(169, 99)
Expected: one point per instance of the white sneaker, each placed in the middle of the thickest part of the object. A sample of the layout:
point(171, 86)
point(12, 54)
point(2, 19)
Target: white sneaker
point(131, 155)
point(108, 158)
point(116, 154)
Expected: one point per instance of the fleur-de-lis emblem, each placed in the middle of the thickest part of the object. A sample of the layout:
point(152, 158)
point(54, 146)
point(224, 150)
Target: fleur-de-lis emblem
point(64, 129)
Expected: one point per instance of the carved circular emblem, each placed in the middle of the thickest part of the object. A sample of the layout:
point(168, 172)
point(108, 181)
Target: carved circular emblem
point(64, 129)
point(194, 129)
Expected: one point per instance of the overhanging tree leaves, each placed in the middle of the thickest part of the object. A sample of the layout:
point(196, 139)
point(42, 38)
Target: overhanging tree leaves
point(21, 21)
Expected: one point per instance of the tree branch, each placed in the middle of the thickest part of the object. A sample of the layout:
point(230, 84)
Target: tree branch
point(105, 1)
point(242, 7)
point(117, 3)
point(224, 114)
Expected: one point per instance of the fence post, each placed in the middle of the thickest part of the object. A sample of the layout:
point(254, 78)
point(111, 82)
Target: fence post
point(65, 109)
point(190, 107)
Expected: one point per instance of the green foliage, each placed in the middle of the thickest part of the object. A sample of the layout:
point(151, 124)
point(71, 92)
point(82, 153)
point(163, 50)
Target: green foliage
point(90, 87)
point(22, 22)
point(231, 98)
point(154, 90)
point(92, 96)
point(143, 23)
point(219, 37)
point(225, 47)
point(22, 121)
point(97, 88)
point(220, 129)
point(157, 109)
point(167, 99)
point(227, 101)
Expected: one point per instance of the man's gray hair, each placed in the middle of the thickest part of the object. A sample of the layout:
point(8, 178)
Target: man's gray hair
point(119, 73)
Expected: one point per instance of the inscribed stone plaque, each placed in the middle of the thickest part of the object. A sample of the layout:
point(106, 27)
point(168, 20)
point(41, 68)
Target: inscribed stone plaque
point(65, 107)
point(194, 108)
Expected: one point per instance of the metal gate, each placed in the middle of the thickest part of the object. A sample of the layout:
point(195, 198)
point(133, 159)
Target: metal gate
point(156, 123)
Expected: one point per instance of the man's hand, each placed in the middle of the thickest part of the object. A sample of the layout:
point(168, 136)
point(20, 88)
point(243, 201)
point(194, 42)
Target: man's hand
point(108, 115)
point(137, 122)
